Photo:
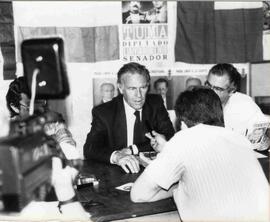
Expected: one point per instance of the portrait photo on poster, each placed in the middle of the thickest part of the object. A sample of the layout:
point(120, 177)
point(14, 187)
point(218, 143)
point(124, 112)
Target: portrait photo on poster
point(137, 12)
point(104, 90)
point(169, 87)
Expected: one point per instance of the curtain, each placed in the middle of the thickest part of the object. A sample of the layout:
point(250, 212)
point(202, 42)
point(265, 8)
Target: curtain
point(7, 42)
point(219, 32)
point(82, 44)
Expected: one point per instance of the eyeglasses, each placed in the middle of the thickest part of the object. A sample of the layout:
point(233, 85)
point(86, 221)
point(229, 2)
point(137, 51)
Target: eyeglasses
point(216, 88)
point(38, 103)
point(24, 106)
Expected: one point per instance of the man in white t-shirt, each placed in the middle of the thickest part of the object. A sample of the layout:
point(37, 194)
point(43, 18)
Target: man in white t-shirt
point(209, 170)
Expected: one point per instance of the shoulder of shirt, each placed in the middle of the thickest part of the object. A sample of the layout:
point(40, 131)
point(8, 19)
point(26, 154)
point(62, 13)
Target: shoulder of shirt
point(241, 99)
point(204, 131)
point(239, 95)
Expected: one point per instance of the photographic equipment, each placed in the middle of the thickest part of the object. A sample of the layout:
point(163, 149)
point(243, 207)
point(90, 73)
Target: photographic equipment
point(26, 165)
point(46, 56)
point(86, 181)
point(25, 155)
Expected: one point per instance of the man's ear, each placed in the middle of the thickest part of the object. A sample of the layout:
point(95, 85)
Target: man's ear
point(120, 87)
point(232, 89)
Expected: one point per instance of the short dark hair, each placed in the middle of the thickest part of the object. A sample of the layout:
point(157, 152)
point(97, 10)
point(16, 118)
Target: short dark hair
point(160, 80)
point(199, 105)
point(133, 68)
point(222, 69)
point(13, 96)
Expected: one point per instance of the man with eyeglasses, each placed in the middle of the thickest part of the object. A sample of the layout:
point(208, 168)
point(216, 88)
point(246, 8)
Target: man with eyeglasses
point(240, 111)
point(17, 101)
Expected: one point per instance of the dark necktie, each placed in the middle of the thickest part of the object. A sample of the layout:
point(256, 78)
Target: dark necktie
point(138, 130)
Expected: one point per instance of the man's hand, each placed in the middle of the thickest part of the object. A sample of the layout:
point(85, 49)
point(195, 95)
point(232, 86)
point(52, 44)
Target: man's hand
point(157, 141)
point(128, 162)
point(62, 179)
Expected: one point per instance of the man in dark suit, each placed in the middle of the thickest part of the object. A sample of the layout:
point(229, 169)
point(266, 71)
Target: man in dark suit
point(161, 86)
point(119, 126)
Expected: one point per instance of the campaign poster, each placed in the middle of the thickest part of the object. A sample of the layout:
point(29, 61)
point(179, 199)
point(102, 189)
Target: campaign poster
point(144, 31)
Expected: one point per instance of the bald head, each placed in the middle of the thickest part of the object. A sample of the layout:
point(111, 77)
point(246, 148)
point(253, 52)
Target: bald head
point(107, 91)
point(193, 81)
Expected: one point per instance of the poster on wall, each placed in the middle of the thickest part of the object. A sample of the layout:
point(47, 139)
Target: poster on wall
point(104, 90)
point(144, 31)
point(166, 81)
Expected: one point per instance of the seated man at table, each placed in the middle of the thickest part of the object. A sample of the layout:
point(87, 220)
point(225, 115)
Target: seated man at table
point(208, 169)
point(119, 126)
point(240, 112)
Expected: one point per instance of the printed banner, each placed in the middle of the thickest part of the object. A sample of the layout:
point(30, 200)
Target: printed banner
point(144, 31)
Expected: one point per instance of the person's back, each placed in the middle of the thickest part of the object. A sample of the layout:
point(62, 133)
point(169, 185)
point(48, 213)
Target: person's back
point(211, 170)
point(226, 183)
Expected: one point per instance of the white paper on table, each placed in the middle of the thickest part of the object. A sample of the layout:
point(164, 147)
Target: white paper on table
point(125, 187)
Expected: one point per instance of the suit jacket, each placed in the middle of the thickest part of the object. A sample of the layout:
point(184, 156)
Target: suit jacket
point(169, 102)
point(109, 128)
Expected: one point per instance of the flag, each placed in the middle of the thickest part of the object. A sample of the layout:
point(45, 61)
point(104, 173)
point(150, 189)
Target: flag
point(215, 32)
point(82, 44)
point(7, 42)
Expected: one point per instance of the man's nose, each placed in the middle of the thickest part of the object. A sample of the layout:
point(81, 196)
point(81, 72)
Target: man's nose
point(138, 93)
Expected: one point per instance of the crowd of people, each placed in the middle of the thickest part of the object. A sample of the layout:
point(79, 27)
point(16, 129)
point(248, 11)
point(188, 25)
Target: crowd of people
point(198, 165)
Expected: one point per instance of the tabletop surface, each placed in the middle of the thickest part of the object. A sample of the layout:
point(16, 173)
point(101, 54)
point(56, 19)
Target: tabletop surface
point(106, 203)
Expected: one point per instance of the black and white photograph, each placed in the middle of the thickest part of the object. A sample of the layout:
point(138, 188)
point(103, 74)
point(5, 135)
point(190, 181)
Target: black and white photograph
point(136, 12)
point(104, 90)
point(134, 111)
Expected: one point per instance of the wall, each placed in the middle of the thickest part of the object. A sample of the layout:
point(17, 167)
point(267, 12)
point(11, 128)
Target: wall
point(92, 14)
point(260, 79)
point(70, 14)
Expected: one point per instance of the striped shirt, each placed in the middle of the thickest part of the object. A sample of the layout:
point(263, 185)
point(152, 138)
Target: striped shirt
point(219, 177)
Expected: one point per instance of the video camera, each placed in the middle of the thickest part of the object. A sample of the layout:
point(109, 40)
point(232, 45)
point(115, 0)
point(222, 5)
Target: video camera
point(25, 155)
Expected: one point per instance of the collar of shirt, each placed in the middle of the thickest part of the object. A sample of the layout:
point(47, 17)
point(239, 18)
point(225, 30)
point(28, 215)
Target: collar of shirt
point(130, 120)
point(165, 101)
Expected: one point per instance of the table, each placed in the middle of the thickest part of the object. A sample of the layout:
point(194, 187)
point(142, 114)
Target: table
point(106, 203)
point(115, 204)
point(109, 203)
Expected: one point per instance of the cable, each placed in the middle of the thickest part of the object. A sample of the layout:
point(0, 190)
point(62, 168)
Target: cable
point(33, 91)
